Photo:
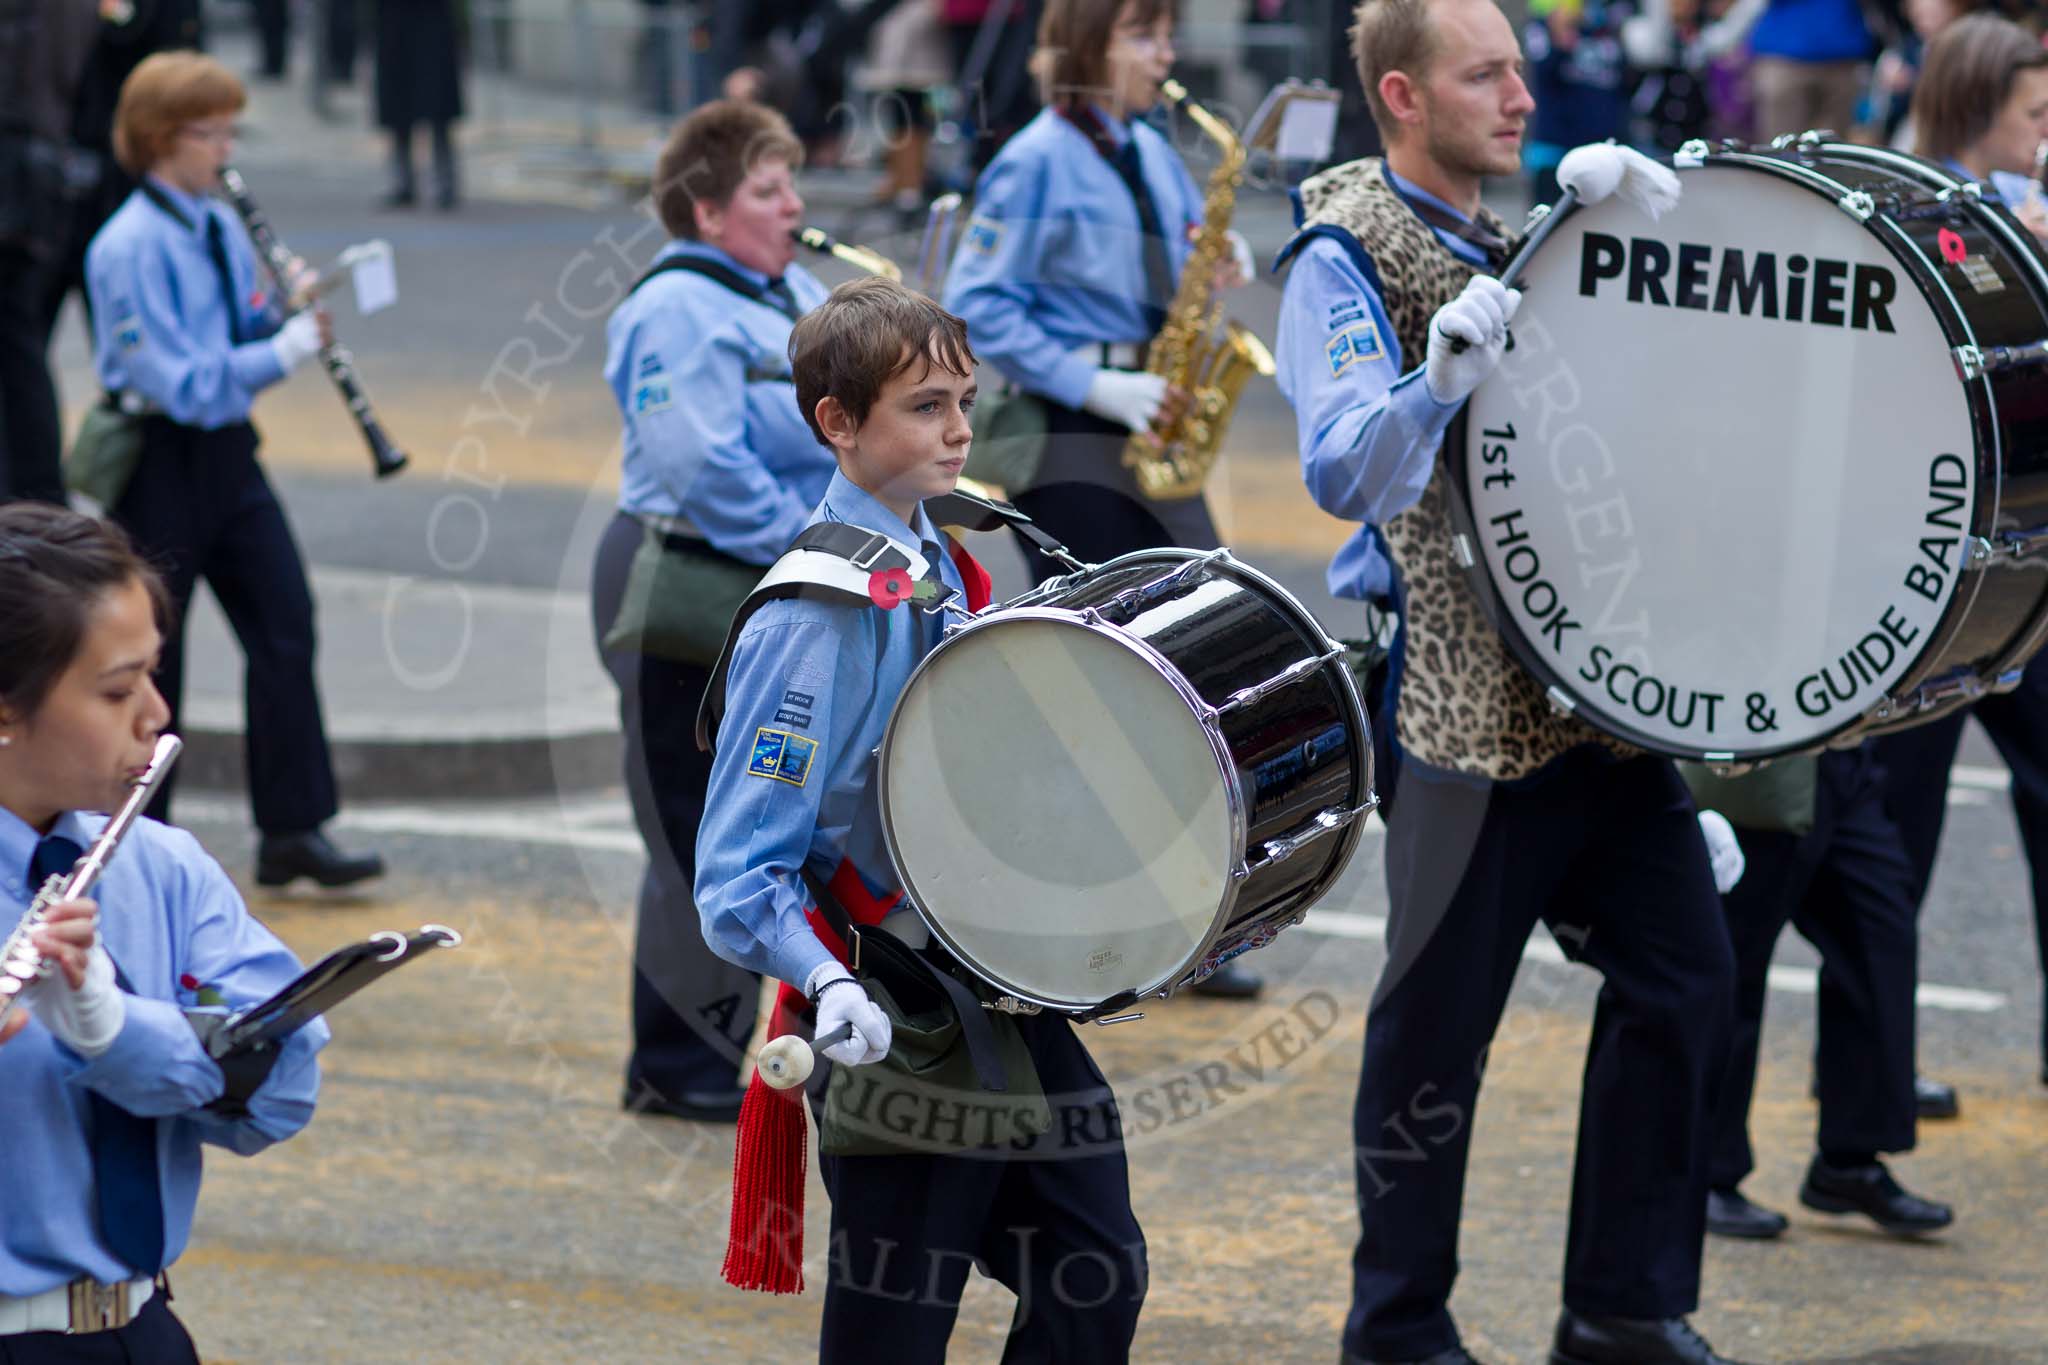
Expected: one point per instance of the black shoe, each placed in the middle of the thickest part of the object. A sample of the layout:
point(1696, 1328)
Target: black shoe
point(1871, 1191)
point(1935, 1099)
point(1457, 1355)
point(1730, 1214)
point(1587, 1340)
point(399, 199)
point(1231, 981)
point(282, 858)
point(699, 1106)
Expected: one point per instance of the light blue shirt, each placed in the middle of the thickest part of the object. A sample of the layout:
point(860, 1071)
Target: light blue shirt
point(712, 430)
point(159, 323)
point(810, 690)
point(1367, 427)
point(167, 911)
point(1053, 257)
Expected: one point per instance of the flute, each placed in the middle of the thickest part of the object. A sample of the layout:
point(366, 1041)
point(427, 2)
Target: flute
point(387, 458)
point(21, 963)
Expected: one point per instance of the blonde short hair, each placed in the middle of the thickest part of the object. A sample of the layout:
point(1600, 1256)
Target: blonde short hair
point(164, 93)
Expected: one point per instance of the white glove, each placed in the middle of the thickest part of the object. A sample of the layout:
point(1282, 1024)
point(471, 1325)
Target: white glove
point(848, 1005)
point(1130, 398)
point(1724, 854)
point(1241, 252)
point(88, 1019)
point(297, 341)
point(1600, 169)
point(1479, 318)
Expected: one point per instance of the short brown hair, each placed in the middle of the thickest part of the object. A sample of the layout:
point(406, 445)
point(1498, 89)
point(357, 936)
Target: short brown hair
point(55, 566)
point(1391, 35)
point(164, 93)
point(711, 152)
point(1966, 79)
point(871, 330)
point(1071, 62)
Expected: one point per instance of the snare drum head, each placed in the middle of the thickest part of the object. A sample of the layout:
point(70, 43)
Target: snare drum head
point(1057, 810)
point(1721, 483)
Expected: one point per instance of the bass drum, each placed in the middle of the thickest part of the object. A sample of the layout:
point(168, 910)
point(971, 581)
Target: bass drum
point(1770, 473)
point(1107, 788)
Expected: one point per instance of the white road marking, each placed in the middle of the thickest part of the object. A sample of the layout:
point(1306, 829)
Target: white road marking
point(1542, 948)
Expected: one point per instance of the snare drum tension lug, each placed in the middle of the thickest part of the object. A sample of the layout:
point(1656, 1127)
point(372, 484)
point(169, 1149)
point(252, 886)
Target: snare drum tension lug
point(1461, 550)
point(1536, 215)
point(1561, 701)
point(1691, 155)
point(1858, 205)
point(1969, 363)
point(1977, 552)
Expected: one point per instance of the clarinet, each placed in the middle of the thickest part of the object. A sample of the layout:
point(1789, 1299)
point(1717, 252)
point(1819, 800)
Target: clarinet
point(340, 365)
point(21, 965)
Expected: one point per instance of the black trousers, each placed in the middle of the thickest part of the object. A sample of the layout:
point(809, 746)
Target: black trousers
point(273, 33)
point(200, 507)
point(693, 1012)
point(1087, 500)
point(1843, 886)
point(1052, 1222)
point(1609, 855)
point(1916, 764)
point(154, 1337)
point(31, 433)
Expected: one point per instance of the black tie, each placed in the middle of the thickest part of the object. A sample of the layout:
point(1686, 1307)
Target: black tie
point(783, 298)
point(124, 1169)
point(217, 247)
point(1158, 273)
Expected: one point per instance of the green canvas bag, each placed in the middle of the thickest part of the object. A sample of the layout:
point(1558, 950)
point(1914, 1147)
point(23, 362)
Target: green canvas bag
point(1777, 797)
point(679, 600)
point(1009, 440)
point(925, 1097)
point(104, 454)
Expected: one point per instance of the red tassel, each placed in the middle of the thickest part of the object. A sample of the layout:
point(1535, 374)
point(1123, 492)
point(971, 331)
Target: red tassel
point(764, 1246)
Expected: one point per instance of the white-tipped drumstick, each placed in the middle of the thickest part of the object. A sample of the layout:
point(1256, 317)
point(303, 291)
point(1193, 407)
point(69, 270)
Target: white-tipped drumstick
point(787, 1062)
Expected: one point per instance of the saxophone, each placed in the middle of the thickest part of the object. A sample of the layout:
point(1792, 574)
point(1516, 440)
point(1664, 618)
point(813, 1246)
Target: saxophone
point(1188, 351)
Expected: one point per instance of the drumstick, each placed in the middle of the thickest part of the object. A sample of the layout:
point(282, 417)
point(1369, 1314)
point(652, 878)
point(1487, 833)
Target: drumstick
point(1564, 205)
point(786, 1062)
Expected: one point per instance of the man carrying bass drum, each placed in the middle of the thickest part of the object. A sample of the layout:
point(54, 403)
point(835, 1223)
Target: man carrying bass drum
point(720, 474)
point(1509, 813)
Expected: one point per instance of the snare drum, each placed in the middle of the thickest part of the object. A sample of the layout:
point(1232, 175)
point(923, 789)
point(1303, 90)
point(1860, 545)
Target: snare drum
point(1772, 472)
point(1142, 770)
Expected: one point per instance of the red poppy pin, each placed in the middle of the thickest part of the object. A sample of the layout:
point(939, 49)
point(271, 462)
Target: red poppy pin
point(890, 586)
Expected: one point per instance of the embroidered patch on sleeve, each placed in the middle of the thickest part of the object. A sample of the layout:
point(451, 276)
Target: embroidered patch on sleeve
point(1352, 345)
point(127, 328)
point(1346, 311)
point(782, 756)
point(984, 235)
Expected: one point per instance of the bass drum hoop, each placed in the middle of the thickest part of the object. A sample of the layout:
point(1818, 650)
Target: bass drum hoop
point(1954, 323)
point(1226, 767)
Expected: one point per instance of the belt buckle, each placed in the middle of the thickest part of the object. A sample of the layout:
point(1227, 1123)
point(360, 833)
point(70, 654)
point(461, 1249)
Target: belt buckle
point(97, 1307)
point(866, 557)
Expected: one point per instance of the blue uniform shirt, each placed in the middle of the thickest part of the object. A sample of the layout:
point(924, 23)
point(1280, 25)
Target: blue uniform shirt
point(1053, 257)
point(160, 326)
point(713, 433)
point(810, 690)
point(167, 911)
point(1366, 425)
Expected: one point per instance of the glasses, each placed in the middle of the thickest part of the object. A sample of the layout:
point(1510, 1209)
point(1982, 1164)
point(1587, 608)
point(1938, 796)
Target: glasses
point(220, 137)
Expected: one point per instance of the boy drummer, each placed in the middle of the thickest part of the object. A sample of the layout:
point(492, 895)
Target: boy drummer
point(886, 379)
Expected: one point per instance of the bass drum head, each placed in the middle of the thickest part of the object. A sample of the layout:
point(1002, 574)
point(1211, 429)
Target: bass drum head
point(1721, 483)
point(1057, 810)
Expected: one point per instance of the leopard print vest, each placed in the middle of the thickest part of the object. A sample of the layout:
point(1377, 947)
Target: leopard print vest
point(1466, 703)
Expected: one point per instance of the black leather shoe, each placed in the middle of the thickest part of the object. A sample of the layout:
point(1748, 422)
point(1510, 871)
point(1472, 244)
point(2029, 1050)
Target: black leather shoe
point(1457, 1355)
point(1231, 981)
point(1935, 1099)
point(1730, 1214)
point(282, 858)
point(698, 1106)
point(1871, 1191)
point(1586, 1340)
point(399, 199)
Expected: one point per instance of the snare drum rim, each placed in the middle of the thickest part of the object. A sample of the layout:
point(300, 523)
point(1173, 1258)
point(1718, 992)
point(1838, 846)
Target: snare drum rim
point(1955, 324)
point(1219, 752)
